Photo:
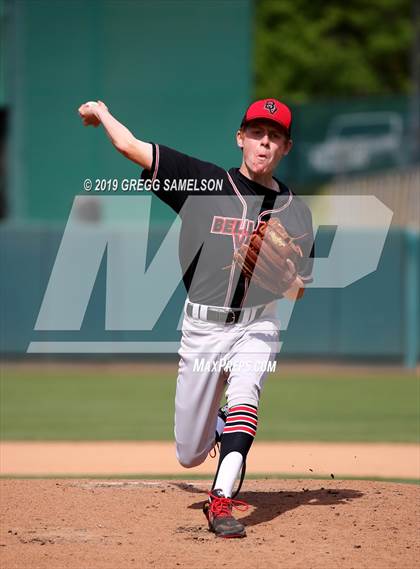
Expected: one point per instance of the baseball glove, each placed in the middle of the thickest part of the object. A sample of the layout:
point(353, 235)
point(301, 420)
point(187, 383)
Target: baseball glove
point(270, 257)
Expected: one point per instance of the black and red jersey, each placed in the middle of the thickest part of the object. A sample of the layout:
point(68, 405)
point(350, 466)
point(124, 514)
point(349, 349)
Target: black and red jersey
point(219, 209)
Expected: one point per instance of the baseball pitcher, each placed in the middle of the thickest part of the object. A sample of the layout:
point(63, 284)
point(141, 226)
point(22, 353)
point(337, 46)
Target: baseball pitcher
point(257, 247)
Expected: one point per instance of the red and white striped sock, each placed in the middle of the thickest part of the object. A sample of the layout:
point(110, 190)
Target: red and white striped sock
point(238, 436)
point(242, 419)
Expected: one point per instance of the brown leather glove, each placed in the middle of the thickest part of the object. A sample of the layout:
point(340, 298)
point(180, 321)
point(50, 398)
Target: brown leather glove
point(270, 257)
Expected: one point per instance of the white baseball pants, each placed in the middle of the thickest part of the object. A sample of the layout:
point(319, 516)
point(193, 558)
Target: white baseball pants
point(213, 356)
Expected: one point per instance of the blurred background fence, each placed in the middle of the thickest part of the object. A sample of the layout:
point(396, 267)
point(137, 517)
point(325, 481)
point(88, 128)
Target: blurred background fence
point(181, 73)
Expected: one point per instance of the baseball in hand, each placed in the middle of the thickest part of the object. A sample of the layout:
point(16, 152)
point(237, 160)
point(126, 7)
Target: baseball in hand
point(87, 112)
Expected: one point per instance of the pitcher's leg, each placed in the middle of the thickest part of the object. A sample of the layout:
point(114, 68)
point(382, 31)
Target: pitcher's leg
point(197, 401)
point(199, 390)
point(250, 361)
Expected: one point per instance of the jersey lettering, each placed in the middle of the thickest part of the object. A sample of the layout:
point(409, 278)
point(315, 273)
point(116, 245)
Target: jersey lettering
point(232, 226)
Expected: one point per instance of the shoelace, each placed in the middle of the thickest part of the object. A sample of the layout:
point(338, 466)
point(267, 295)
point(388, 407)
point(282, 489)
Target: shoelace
point(223, 507)
point(213, 451)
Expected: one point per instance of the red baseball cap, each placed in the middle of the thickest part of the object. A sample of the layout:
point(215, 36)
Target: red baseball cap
point(272, 110)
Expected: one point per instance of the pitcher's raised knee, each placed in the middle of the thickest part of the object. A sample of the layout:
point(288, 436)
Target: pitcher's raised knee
point(187, 458)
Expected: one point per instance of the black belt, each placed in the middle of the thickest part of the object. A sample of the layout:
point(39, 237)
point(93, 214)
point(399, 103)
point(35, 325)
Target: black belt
point(224, 315)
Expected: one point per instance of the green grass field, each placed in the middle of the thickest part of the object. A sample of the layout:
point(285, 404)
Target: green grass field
point(83, 405)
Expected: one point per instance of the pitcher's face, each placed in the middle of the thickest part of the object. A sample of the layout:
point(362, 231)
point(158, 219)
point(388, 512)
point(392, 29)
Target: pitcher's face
point(264, 144)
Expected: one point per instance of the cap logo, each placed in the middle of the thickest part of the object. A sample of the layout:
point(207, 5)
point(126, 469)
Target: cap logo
point(271, 107)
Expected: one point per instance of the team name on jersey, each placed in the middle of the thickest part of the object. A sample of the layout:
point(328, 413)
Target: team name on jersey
point(232, 226)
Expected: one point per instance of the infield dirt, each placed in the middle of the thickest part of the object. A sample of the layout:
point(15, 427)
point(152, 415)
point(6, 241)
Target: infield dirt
point(104, 524)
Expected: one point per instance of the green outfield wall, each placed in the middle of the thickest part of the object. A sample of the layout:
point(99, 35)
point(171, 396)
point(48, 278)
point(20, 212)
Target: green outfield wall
point(175, 72)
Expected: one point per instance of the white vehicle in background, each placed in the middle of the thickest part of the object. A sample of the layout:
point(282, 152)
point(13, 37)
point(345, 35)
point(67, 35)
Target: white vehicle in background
point(358, 140)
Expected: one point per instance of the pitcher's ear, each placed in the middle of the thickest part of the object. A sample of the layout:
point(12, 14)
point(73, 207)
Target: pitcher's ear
point(239, 138)
point(289, 146)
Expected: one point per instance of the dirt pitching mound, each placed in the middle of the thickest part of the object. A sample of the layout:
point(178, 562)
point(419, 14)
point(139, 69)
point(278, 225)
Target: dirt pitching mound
point(108, 524)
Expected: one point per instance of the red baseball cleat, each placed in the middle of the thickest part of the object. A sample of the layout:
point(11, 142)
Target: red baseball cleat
point(218, 511)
